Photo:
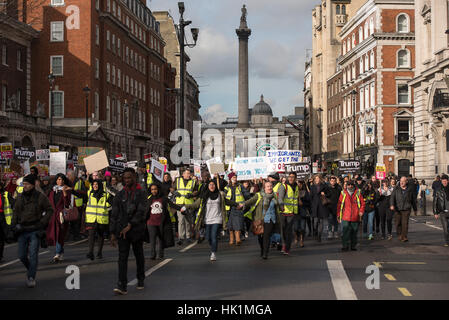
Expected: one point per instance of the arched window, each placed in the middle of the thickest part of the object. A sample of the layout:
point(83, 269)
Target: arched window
point(371, 25)
point(366, 62)
point(361, 65)
point(365, 31)
point(371, 61)
point(338, 9)
point(360, 35)
point(343, 9)
point(353, 40)
point(403, 59)
point(402, 23)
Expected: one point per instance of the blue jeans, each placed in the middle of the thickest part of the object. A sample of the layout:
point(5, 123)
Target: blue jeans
point(59, 248)
point(211, 235)
point(370, 218)
point(29, 243)
point(332, 222)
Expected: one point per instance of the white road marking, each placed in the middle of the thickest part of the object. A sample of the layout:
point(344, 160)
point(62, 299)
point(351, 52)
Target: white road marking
point(431, 225)
point(342, 286)
point(150, 271)
point(10, 245)
point(78, 242)
point(189, 247)
point(17, 260)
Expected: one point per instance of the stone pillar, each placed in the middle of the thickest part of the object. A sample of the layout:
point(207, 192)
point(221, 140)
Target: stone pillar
point(243, 33)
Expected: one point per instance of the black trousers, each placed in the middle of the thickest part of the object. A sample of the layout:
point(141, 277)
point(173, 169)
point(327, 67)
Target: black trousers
point(264, 240)
point(155, 233)
point(287, 231)
point(101, 230)
point(124, 246)
point(75, 226)
point(386, 217)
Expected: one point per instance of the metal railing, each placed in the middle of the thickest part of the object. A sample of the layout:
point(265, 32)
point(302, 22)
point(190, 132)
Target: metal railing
point(403, 141)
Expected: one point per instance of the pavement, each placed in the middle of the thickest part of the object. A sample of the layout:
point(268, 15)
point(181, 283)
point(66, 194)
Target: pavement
point(418, 269)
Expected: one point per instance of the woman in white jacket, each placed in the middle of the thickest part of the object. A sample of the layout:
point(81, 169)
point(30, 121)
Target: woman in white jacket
point(423, 191)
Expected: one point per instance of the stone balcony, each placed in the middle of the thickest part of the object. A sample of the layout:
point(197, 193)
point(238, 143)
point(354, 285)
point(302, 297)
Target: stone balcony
point(341, 19)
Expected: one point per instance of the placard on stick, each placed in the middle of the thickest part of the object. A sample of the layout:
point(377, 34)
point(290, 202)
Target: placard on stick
point(96, 162)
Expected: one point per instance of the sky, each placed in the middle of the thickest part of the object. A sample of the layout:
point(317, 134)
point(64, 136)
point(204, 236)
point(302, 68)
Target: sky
point(281, 33)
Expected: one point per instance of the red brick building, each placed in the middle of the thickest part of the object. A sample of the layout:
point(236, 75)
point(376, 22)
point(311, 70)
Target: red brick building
point(377, 61)
point(115, 48)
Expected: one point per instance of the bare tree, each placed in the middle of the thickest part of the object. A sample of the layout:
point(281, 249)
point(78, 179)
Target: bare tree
point(26, 11)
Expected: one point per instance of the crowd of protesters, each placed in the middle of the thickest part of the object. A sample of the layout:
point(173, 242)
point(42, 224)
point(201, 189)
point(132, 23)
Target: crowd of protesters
point(283, 211)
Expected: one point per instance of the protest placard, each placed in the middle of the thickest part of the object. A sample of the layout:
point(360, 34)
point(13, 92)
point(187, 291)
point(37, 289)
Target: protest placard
point(381, 171)
point(96, 162)
point(58, 163)
point(25, 153)
point(43, 155)
point(302, 169)
point(157, 169)
point(116, 165)
point(279, 158)
point(84, 152)
point(251, 168)
point(6, 150)
point(217, 168)
point(348, 166)
point(174, 174)
point(53, 148)
point(197, 170)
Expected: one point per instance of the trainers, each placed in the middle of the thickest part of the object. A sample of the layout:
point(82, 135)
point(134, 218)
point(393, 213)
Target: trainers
point(246, 235)
point(56, 258)
point(90, 256)
point(353, 249)
point(330, 235)
point(140, 285)
point(61, 257)
point(390, 237)
point(180, 242)
point(121, 291)
point(446, 245)
point(99, 255)
point(283, 249)
point(344, 249)
point(213, 257)
point(370, 237)
point(31, 283)
point(286, 253)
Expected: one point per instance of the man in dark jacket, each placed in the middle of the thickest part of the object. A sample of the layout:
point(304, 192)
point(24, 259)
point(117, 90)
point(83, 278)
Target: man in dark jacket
point(334, 192)
point(402, 201)
point(31, 215)
point(441, 207)
point(127, 227)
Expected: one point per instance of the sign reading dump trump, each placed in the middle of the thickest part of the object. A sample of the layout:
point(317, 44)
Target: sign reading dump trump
point(348, 166)
point(251, 168)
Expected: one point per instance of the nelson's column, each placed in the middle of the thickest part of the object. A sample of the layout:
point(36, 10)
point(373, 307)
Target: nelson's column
point(243, 32)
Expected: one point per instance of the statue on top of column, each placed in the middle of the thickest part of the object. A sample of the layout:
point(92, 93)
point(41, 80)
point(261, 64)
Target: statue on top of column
point(243, 18)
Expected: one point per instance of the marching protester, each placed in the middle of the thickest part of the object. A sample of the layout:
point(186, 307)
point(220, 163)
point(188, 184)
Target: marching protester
point(248, 192)
point(6, 205)
point(235, 193)
point(386, 215)
point(127, 228)
point(211, 214)
point(402, 201)
point(320, 199)
point(350, 208)
point(279, 193)
point(46, 186)
point(422, 194)
point(79, 193)
point(31, 215)
point(266, 215)
point(304, 212)
point(159, 222)
point(99, 205)
point(441, 207)
point(115, 186)
point(60, 198)
point(334, 191)
point(166, 185)
point(370, 197)
point(436, 185)
point(185, 190)
point(290, 212)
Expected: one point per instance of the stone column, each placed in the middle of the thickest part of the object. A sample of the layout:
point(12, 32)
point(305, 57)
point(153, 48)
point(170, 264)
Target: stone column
point(243, 33)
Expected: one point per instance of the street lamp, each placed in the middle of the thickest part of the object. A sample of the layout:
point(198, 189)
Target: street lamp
point(51, 80)
point(86, 91)
point(183, 44)
point(353, 93)
point(125, 108)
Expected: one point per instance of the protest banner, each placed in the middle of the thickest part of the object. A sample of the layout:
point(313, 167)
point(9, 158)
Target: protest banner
point(84, 152)
point(53, 148)
point(8, 173)
point(157, 169)
point(251, 168)
point(381, 171)
point(6, 150)
point(279, 158)
point(58, 163)
point(216, 168)
point(348, 166)
point(96, 162)
point(147, 157)
point(41, 168)
point(116, 165)
point(43, 155)
point(132, 164)
point(197, 170)
point(302, 169)
point(25, 153)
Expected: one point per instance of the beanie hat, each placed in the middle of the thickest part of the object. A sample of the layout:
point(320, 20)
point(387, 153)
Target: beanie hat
point(108, 174)
point(232, 174)
point(31, 179)
point(274, 175)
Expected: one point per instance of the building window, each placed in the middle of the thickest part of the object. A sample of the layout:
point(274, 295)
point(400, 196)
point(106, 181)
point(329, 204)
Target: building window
point(97, 68)
point(365, 30)
point(19, 60)
point(353, 40)
point(403, 94)
point(119, 47)
point(108, 40)
point(5, 55)
point(108, 109)
point(113, 43)
point(361, 65)
point(119, 113)
point(108, 5)
point(366, 62)
point(403, 59)
point(97, 106)
point(57, 65)
point(57, 3)
point(338, 9)
point(353, 72)
point(372, 95)
point(343, 9)
point(97, 35)
point(119, 78)
point(4, 96)
point(57, 31)
point(97, 4)
point(119, 12)
point(402, 23)
point(403, 130)
point(371, 62)
point(108, 72)
point(113, 75)
point(57, 103)
point(367, 97)
point(362, 99)
point(371, 26)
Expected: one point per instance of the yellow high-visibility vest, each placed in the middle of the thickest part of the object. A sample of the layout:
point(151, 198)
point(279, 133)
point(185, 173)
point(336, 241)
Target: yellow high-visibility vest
point(249, 214)
point(238, 195)
point(97, 211)
point(7, 210)
point(78, 200)
point(149, 180)
point(343, 201)
point(291, 200)
point(184, 190)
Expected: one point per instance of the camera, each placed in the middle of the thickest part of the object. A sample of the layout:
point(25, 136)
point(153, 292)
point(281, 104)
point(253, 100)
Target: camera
point(58, 188)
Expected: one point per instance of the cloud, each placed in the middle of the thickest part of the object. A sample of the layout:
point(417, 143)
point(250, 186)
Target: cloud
point(214, 114)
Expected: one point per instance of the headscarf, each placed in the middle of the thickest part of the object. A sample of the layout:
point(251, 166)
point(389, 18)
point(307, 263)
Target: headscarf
point(98, 194)
point(209, 194)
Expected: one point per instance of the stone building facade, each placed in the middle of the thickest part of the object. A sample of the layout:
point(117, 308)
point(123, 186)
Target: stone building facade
point(431, 98)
